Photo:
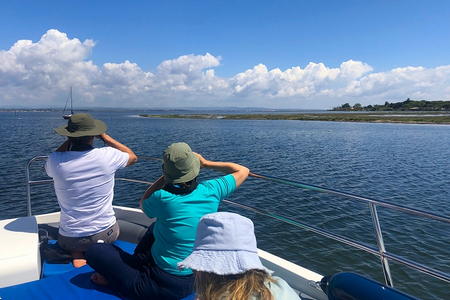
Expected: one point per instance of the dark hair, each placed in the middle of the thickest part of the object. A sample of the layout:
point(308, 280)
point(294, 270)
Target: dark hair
point(82, 143)
point(82, 140)
point(183, 188)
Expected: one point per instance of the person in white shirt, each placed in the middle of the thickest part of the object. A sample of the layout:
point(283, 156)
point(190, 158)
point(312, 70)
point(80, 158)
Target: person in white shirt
point(84, 184)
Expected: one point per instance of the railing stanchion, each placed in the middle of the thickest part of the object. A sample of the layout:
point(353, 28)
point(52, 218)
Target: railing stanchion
point(29, 182)
point(28, 189)
point(380, 243)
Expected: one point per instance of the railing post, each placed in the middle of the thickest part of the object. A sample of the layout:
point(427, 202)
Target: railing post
point(29, 182)
point(28, 188)
point(380, 243)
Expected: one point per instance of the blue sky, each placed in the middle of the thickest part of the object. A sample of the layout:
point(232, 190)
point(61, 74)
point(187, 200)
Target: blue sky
point(381, 35)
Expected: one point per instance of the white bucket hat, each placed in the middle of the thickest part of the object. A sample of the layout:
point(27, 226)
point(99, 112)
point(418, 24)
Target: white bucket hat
point(225, 245)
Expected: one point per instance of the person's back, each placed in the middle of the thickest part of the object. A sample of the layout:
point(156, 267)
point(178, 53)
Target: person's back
point(178, 215)
point(84, 184)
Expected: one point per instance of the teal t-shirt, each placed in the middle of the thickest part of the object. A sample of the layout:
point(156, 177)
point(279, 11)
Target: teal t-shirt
point(178, 217)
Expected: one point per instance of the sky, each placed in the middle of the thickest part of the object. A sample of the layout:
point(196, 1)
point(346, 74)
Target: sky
point(303, 54)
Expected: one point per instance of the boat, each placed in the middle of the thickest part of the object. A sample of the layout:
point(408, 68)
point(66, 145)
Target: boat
point(28, 272)
point(67, 116)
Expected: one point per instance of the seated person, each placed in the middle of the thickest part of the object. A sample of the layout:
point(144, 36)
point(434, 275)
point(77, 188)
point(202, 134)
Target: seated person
point(178, 202)
point(84, 184)
point(227, 265)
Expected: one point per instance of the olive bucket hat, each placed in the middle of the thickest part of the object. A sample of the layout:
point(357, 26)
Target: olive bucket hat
point(82, 125)
point(180, 163)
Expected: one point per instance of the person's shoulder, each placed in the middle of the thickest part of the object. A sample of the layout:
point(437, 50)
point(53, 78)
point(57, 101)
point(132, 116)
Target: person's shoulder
point(225, 184)
point(105, 151)
point(156, 196)
point(153, 203)
point(159, 193)
point(224, 179)
point(165, 196)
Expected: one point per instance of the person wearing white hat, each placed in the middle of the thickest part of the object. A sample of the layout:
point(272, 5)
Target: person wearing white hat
point(227, 265)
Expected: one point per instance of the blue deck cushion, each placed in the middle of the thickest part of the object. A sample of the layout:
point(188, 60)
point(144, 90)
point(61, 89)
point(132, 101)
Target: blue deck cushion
point(348, 285)
point(190, 297)
point(50, 269)
point(125, 246)
point(63, 281)
point(75, 284)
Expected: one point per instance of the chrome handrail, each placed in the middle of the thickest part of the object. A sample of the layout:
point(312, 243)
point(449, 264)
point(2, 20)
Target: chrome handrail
point(379, 251)
point(347, 241)
point(386, 204)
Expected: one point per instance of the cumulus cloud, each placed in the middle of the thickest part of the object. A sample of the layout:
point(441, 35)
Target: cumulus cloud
point(188, 63)
point(40, 74)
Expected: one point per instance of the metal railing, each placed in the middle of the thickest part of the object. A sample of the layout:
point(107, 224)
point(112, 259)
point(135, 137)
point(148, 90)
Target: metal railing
point(379, 251)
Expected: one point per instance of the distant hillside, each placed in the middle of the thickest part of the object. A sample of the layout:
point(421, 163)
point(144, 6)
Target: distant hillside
point(411, 105)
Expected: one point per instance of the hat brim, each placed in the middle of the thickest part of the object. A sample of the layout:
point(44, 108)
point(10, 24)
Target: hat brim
point(195, 170)
point(100, 127)
point(222, 262)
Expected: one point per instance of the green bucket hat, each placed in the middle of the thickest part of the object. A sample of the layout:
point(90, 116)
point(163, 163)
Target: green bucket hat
point(180, 163)
point(82, 125)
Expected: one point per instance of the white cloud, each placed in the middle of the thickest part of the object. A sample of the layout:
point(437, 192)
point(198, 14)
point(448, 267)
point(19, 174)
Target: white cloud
point(40, 73)
point(188, 64)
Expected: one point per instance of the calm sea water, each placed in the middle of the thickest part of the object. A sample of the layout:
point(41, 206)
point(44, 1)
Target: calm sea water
point(405, 164)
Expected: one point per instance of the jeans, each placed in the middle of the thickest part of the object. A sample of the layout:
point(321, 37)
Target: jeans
point(134, 277)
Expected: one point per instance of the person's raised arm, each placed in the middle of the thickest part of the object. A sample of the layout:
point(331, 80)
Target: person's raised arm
point(119, 146)
point(239, 172)
point(157, 185)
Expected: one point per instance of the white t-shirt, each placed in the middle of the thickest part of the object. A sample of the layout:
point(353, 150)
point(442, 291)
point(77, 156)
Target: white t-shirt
point(84, 186)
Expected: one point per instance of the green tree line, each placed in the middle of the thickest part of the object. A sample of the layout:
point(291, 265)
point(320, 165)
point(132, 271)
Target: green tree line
point(408, 104)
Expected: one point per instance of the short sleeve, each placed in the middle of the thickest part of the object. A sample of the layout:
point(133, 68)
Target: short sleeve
point(152, 205)
point(222, 186)
point(117, 158)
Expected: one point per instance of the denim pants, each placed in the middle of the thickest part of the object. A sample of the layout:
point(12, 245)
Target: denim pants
point(135, 277)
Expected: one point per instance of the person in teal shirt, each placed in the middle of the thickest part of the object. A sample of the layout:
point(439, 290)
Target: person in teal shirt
point(177, 219)
point(177, 201)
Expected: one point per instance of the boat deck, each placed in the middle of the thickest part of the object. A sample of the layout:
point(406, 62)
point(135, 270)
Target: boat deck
point(133, 224)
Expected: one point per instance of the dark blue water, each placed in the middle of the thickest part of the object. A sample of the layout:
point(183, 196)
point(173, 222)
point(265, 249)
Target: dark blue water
point(405, 164)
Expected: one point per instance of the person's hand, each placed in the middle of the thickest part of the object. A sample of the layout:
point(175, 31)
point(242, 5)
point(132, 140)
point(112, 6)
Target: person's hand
point(202, 160)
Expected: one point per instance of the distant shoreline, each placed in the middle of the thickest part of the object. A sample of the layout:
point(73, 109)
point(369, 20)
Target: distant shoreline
point(392, 117)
